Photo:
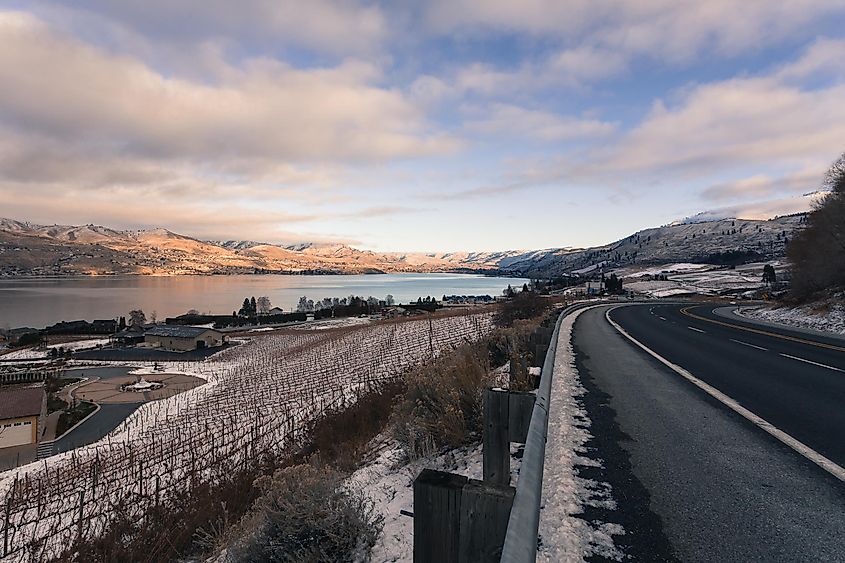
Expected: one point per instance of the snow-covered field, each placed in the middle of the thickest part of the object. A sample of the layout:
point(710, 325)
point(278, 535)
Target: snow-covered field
point(829, 319)
point(258, 398)
point(75, 346)
point(701, 279)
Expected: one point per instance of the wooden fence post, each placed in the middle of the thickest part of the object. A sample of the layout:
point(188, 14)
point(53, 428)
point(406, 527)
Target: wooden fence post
point(520, 409)
point(485, 510)
point(496, 451)
point(459, 520)
point(437, 517)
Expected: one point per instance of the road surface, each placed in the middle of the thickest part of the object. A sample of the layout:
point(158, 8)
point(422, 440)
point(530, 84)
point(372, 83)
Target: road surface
point(711, 484)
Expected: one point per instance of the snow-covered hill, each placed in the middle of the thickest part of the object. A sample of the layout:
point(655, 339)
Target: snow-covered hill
point(725, 241)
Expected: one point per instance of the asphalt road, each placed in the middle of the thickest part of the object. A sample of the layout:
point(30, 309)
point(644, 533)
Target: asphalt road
point(101, 423)
point(717, 487)
point(104, 420)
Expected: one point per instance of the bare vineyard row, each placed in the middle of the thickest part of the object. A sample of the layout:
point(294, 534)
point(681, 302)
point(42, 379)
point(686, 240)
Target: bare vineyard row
point(259, 396)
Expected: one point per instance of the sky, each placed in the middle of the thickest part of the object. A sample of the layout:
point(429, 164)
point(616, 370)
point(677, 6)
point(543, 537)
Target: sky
point(416, 126)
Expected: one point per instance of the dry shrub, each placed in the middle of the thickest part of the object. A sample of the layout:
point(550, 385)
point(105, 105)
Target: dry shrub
point(442, 402)
point(512, 345)
point(304, 514)
point(523, 305)
point(341, 436)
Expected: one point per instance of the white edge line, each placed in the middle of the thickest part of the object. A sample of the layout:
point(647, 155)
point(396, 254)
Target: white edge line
point(810, 362)
point(696, 329)
point(796, 445)
point(749, 345)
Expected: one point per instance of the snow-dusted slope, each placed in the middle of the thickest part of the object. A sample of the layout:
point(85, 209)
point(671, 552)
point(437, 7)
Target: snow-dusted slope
point(722, 241)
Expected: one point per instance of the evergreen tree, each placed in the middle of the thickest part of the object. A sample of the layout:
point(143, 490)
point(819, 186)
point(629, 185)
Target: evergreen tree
point(769, 276)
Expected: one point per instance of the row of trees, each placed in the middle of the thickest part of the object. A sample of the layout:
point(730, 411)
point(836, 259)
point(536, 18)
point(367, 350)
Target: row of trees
point(252, 306)
point(371, 303)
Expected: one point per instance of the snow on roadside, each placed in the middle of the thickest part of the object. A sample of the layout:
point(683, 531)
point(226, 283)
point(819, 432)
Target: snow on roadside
point(564, 536)
point(809, 316)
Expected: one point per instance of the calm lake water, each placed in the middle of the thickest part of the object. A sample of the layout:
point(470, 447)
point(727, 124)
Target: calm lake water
point(38, 302)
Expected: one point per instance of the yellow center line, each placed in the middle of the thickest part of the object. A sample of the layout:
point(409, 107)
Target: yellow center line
point(686, 311)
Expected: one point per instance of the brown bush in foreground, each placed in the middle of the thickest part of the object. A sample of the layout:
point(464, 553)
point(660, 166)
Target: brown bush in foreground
point(305, 514)
point(442, 403)
point(341, 437)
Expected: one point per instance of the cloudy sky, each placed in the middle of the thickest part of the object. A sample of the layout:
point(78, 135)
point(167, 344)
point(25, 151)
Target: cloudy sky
point(444, 125)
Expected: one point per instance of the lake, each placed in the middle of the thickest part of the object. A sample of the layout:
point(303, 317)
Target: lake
point(38, 302)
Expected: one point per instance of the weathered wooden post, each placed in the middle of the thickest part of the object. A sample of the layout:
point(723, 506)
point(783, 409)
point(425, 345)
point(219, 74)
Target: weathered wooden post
point(520, 409)
point(437, 516)
point(496, 451)
point(459, 520)
point(485, 509)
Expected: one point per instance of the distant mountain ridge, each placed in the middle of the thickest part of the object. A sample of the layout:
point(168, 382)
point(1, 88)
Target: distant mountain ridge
point(30, 249)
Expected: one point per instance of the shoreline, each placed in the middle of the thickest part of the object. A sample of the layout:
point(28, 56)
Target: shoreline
point(480, 272)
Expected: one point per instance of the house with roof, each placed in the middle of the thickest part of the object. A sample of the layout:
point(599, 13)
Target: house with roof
point(129, 336)
point(22, 414)
point(183, 338)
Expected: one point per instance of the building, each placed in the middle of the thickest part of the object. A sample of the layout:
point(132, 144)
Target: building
point(183, 338)
point(275, 311)
point(22, 412)
point(128, 337)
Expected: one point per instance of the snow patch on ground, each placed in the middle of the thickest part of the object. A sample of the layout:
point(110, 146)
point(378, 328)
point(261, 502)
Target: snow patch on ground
point(324, 324)
point(670, 268)
point(388, 483)
point(829, 318)
point(565, 537)
point(34, 354)
point(702, 279)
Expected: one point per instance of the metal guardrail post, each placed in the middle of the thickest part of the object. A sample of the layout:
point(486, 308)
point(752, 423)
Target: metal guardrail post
point(521, 536)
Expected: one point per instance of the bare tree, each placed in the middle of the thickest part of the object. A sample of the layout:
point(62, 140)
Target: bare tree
point(137, 317)
point(818, 252)
point(263, 304)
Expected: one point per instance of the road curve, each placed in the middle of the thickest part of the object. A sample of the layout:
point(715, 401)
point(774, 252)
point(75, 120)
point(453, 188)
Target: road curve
point(721, 488)
point(792, 380)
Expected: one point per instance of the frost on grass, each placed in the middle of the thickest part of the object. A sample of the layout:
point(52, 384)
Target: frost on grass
point(564, 536)
point(826, 316)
